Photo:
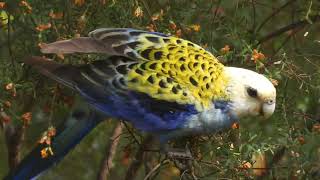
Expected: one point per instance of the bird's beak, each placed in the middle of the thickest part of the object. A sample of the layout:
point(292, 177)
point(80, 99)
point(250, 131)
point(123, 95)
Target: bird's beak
point(268, 109)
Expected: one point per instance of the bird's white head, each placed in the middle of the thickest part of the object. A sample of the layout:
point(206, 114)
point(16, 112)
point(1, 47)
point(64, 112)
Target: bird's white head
point(251, 93)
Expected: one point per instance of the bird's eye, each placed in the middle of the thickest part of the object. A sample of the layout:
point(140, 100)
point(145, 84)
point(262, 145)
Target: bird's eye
point(270, 102)
point(252, 92)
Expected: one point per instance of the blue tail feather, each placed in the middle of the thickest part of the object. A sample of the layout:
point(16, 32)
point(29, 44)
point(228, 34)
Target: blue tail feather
point(74, 130)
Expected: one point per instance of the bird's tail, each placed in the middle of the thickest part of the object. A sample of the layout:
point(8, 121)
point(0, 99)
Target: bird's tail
point(75, 128)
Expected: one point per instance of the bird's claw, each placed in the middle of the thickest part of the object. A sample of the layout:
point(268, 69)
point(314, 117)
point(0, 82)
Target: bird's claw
point(176, 153)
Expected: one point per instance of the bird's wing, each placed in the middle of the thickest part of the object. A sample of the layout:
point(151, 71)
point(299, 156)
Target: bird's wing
point(166, 67)
point(104, 84)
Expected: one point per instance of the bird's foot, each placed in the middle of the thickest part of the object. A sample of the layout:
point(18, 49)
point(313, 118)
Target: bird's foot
point(178, 153)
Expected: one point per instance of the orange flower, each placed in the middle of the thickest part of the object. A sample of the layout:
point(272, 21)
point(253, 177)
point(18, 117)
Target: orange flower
point(2, 5)
point(274, 82)
point(195, 27)
point(225, 49)
point(26, 118)
point(44, 153)
point(47, 135)
point(57, 15)
point(316, 127)
point(151, 27)
point(172, 25)
point(4, 117)
point(51, 131)
point(246, 165)
point(257, 56)
point(7, 104)
point(78, 2)
point(26, 5)
point(138, 12)
point(235, 126)
point(179, 33)
point(9, 86)
point(301, 140)
point(48, 141)
point(155, 17)
point(43, 27)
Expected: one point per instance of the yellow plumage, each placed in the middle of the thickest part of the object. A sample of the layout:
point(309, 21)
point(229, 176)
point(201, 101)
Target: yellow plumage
point(178, 70)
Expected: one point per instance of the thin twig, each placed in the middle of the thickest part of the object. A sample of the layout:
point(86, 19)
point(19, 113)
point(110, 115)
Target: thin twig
point(138, 159)
point(107, 164)
point(274, 13)
point(216, 12)
point(284, 29)
point(156, 168)
point(131, 133)
point(253, 15)
point(9, 45)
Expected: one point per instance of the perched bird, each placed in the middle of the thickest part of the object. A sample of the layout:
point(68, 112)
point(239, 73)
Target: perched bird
point(161, 84)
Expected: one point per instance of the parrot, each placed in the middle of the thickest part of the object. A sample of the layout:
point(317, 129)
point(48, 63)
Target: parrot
point(161, 84)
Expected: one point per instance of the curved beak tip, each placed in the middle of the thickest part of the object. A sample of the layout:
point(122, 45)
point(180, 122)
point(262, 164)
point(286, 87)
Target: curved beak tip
point(268, 110)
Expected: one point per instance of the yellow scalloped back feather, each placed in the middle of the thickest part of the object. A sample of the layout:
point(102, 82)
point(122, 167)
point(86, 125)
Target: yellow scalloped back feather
point(178, 70)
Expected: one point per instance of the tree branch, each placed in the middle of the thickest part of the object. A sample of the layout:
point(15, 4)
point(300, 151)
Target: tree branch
point(14, 137)
point(298, 24)
point(274, 13)
point(107, 164)
point(138, 159)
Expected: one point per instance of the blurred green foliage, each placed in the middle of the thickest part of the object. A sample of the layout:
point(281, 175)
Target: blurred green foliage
point(286, 32)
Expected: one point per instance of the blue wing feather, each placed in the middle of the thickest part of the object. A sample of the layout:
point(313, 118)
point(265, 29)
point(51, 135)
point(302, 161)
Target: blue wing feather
point(145, 112)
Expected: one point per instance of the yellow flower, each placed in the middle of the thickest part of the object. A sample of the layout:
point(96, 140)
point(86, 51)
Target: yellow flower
point(44, 153)
point(138, 12)
point(195, 27)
